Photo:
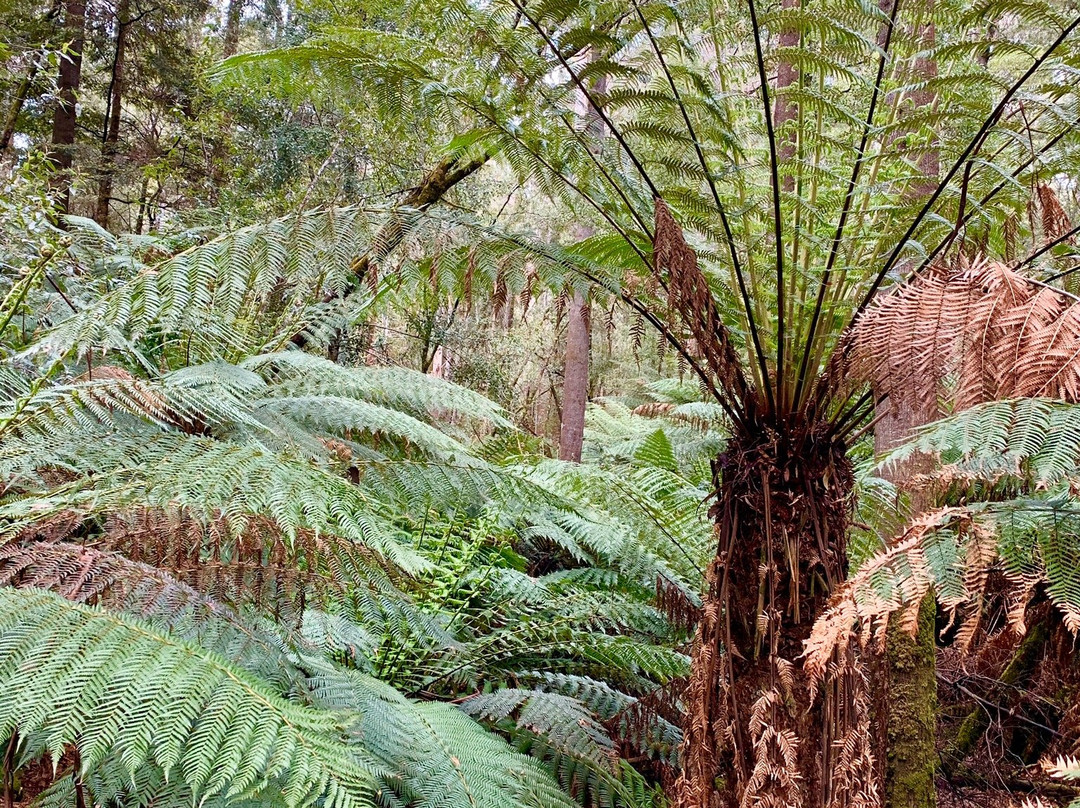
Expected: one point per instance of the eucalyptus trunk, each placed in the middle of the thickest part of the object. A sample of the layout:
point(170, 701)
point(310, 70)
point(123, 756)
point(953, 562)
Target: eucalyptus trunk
point(61, 150)
point(575, 390)
point(111, 137)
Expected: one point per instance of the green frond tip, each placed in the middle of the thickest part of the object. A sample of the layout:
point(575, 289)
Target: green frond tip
point(115, 688)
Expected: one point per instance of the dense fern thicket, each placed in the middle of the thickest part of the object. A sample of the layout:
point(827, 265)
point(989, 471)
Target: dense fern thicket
point(251, 574)
point(286, 304)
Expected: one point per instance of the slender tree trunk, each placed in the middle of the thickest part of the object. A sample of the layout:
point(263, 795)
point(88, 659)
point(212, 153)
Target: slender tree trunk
point(575, 391)
point(141, 215)
point(61, 152)
point(21, 94)
point(929, 159)
point(233, 15)
point(111, 140)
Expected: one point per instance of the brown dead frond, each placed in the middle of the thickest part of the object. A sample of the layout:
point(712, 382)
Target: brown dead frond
point(654, 409)
point(675, 603)
point(230, 560)
point(691, 298)
point(86, 574)
point(967, 335)
point(894, 581)
point(1055, 221)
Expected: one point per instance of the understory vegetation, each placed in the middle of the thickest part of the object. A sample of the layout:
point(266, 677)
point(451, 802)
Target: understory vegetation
point(539, 403)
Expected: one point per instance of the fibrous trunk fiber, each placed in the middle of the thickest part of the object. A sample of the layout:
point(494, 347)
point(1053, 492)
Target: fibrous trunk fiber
point(756, 734)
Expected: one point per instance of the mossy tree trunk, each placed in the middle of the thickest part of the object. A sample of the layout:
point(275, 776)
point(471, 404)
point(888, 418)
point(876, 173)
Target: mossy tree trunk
point(911, 758)
point(911, 703)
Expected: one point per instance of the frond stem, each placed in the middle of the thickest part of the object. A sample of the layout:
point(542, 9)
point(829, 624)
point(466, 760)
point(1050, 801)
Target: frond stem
point(973, 144)
point(1045, 249)
point(774, 172)
point(728, 235)
point(588, 96)
point(834, 247)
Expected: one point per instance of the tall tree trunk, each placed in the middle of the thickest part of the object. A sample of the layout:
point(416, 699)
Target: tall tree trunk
point(233, 15)
point(911, 756)
point(575, 391)
point(929, 159)
point(111, 140)
point(61, 151)
point(754, 732)
point(21, 94)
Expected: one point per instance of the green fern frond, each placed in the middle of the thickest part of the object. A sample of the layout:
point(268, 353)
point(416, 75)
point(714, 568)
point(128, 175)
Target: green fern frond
point(76, 675)
point(433, 753)
point(1034, 441)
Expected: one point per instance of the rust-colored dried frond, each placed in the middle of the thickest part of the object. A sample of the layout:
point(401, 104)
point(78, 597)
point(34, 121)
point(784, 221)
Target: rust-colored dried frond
point(774, 780)
point(852, 780)
point(230, 562)
point(896, 580)
point(690, 297)
point(253, 562)
point(711, 719)
point(654, 409)
point(1055, 221)
point(968, 335)
point(675, 603)
point(91, 575)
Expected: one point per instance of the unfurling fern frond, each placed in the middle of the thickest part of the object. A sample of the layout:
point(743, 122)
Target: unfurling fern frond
point(111, 685)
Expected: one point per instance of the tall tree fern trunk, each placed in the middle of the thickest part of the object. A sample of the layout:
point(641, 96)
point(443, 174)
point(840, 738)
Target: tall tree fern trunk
point(754, 731)
point(231, 41)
